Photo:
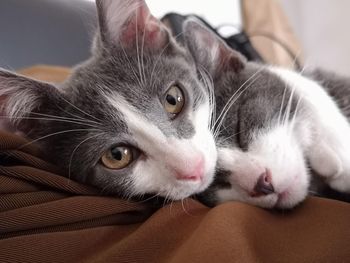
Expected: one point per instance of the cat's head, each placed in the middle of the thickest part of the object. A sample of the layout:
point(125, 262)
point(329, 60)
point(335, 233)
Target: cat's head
point(132, 120)
point(262, 128)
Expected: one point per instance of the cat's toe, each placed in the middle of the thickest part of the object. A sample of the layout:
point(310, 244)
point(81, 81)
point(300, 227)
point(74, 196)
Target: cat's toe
point(340, 182)
point(325, 161)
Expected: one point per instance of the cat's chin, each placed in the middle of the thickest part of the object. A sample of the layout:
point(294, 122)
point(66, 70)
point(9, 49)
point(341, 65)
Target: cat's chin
point(187, 189)
point(287, 199)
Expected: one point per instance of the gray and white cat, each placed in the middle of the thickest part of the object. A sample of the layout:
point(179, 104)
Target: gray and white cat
point(132, 120)
point(135, 119)
point(273, 126)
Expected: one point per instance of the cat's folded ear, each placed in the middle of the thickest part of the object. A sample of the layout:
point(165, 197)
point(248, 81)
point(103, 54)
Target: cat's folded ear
point(130, 23)
point(20, 97)
point(209, 50)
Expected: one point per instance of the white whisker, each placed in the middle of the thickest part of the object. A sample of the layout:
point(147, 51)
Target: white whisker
point(53, 134)
point(232, 100)
point(75, 149)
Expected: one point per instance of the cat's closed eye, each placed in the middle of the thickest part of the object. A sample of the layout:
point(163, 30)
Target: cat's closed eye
point(118, 157)
point(174, 101)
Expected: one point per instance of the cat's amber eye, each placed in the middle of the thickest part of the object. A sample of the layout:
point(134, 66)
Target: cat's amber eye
point(174, 100)
point(117, 158)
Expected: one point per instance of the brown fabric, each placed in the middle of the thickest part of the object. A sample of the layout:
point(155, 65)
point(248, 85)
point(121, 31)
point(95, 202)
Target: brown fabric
point(46, 73)
point(263, 19)
point(45, 217)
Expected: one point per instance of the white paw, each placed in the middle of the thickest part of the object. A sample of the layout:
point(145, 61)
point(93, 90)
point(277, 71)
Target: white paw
point(333, 165)
point(340, 182)
point(325, 161)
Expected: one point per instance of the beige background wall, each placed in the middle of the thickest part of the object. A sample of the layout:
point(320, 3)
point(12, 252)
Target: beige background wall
point(323, 27)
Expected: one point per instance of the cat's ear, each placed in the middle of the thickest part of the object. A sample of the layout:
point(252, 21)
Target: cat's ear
point(209, 51)
point(20, 97)
point(130, 23)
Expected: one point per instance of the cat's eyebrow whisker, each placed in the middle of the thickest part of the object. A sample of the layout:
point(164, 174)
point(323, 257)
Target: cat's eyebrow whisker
point(75, 149)
point(137, 48)
point(80, 118)
point(59, 117)
point(75, 107)
point(130, 65)
point(142, 48)
point(65, 118)
point(48, 119)
point(159, 57)
point(55, 133)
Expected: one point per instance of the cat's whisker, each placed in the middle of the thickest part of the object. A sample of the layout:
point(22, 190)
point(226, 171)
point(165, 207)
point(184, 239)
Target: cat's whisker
point(282, 104)
point(229, 137)
point(231, 101)
point(184, 208)
point(292, 125)
point(171, 205)
point(147, 199)
point(75, 149)
point(166, 199)
point(233, 98)
point(209, 84)
point(289, 106)
point(55, 133)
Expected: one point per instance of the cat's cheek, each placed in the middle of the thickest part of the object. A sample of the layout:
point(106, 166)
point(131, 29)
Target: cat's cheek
point(203, 141)
point(155, 177)
point(207, 147)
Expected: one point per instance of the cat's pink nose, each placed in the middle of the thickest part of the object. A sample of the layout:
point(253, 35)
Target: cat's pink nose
point(193, 175)
point(264, 184)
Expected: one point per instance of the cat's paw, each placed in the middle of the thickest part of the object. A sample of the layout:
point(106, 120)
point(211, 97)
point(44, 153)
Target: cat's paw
point(332, 164)
point(340, 182)
point(325, 161)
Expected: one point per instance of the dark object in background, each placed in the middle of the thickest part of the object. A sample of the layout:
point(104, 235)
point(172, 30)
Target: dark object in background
point(239, 42)
point(60, 32)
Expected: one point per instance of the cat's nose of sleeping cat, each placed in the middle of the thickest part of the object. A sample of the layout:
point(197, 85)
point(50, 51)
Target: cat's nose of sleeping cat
point(194, 174)
point(264, 184)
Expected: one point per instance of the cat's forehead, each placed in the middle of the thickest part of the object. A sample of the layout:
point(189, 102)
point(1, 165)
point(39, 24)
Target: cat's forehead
point(118, 94)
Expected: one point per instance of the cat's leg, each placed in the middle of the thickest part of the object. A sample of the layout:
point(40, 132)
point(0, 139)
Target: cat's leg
point(331, 160)
point(329, 151)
